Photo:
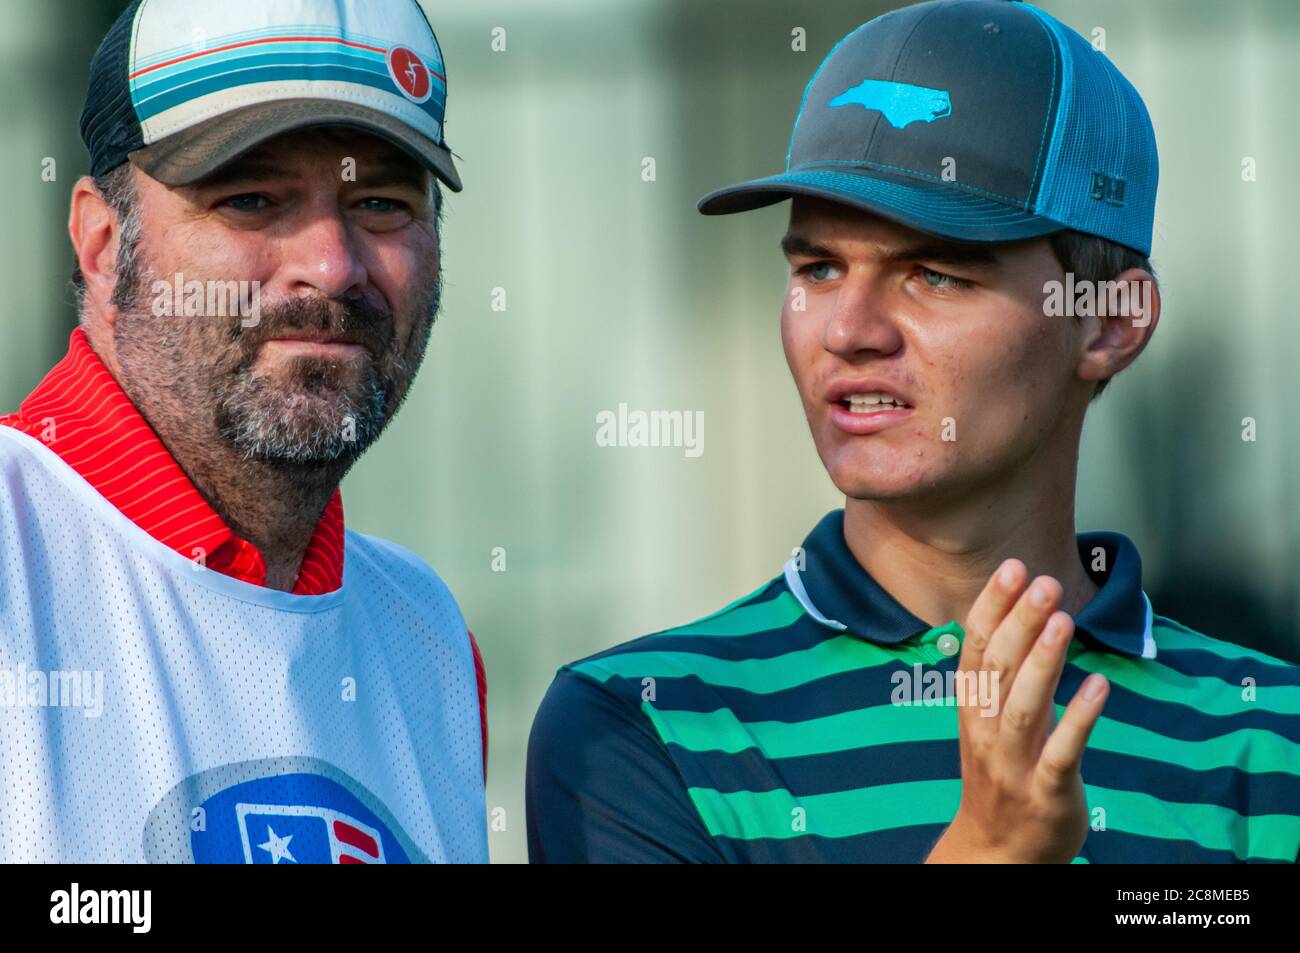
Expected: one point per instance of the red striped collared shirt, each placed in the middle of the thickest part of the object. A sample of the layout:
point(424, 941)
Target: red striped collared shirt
point(81, 413)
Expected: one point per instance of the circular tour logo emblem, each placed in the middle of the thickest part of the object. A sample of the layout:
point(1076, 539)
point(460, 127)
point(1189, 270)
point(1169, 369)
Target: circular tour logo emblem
point(410, 74)
point(277, 811)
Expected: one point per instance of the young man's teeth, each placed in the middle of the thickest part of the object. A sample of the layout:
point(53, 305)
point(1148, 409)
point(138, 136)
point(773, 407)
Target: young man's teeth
point(869, 403)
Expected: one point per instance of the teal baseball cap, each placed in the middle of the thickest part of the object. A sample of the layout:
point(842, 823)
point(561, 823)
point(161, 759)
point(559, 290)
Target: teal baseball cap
point(974, 120)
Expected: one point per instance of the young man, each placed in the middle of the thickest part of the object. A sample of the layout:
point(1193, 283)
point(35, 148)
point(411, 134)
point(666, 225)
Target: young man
point(893, 695)
point(198, 661)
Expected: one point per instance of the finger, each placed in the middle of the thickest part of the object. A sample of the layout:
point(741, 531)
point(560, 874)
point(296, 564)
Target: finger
point(1063, 753)
point(976, 730)
point(989, 609)
point(1016, 635)
point(1029, 711)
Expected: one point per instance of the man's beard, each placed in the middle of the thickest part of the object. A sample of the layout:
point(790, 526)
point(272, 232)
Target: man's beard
point(312, 417)
point(314, 413)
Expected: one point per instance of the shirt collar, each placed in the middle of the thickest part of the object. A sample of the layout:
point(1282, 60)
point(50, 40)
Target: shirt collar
point(81, 413)
point(837, 592)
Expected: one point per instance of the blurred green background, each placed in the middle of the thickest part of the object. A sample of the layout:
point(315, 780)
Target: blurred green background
point(616, 290)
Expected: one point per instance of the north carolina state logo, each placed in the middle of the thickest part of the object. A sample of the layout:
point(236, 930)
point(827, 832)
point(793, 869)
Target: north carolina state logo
point(410, 74)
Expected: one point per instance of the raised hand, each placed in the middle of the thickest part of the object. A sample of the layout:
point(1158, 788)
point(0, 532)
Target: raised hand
point(1022, 796)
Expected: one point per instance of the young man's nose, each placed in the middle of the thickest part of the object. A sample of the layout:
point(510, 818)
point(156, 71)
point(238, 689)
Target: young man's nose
point(861, 320)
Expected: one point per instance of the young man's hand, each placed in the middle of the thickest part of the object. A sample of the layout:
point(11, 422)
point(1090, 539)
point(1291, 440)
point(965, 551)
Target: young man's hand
point(1022, 798)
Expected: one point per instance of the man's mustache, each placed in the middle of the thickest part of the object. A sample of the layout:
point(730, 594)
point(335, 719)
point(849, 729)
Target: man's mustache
point(353, 322)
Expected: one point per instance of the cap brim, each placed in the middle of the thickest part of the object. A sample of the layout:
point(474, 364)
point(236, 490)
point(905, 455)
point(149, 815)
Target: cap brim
point(936, 208)
point(185, 157)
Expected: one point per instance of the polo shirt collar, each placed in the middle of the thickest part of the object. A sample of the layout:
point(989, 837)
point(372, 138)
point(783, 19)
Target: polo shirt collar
point(837, 592)
point(81, 413)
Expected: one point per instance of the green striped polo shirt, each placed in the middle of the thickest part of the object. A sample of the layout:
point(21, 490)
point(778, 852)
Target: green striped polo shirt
point(814, 720)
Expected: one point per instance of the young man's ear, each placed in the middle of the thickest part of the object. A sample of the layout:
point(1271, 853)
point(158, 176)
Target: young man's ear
point(95, 231)
point(1113, 339)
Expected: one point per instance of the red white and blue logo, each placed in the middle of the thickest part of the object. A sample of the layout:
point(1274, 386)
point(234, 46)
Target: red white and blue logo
point(275, 812)
point(302, 834)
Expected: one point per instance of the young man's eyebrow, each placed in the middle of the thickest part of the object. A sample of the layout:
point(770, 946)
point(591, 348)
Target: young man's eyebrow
point(796, 246)
point(947, 253)
point(937, 251)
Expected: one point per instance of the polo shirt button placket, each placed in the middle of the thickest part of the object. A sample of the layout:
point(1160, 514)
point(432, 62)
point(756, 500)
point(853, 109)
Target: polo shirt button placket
point(941, 643)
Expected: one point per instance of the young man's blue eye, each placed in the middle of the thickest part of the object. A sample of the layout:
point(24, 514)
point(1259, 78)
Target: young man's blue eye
point(937, 279)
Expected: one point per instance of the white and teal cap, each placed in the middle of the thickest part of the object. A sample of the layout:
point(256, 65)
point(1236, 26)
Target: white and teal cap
point(181, 87)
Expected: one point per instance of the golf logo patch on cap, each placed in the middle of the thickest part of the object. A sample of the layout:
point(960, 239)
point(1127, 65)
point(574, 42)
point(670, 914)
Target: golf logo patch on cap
point(900, 103)
point(410, 74)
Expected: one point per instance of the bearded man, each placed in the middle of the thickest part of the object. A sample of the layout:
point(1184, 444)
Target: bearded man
point(200, 663)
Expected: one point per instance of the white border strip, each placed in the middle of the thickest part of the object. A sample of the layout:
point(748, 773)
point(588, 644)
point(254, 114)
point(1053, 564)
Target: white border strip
point(795, 583)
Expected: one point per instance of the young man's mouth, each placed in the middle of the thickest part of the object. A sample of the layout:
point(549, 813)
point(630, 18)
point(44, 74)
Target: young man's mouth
point(859, 410)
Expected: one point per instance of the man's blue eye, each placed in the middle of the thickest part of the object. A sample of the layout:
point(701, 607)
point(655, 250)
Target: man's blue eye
point(241, 202)
point(820, 270)
point(386, 205)
point(937, 279)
